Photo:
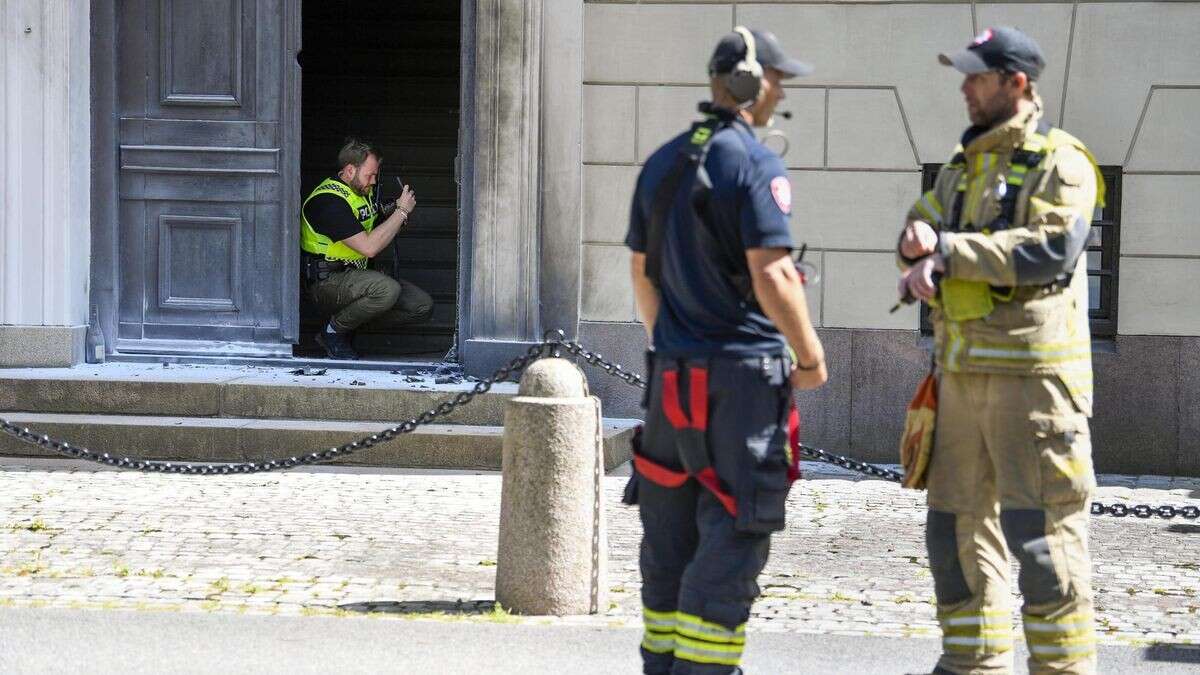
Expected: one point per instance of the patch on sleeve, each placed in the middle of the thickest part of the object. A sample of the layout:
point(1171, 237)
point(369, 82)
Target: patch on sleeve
point(781, 190)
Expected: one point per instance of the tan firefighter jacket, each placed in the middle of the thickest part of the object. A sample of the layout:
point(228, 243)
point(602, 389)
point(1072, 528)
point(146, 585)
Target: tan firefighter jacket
point(1013, 212)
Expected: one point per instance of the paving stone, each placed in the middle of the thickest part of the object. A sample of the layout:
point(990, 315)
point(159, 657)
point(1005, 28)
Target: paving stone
point(852, 560)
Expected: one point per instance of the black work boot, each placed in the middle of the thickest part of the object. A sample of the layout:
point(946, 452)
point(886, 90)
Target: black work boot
point(337, 346)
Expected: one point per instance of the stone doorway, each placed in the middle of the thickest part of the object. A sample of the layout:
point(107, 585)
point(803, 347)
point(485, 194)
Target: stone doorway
point(389, 72)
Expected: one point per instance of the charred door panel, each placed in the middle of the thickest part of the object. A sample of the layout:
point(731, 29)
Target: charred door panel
point(205, 178)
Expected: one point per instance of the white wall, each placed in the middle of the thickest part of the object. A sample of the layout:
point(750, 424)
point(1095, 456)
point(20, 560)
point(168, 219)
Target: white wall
point(1123, 76)
point(45, 162)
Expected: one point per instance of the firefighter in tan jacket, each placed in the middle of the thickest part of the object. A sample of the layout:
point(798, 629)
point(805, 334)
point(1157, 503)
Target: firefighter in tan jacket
point(996, 249)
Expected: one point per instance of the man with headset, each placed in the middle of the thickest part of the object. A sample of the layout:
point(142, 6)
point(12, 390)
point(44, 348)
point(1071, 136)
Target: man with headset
point(724, 307)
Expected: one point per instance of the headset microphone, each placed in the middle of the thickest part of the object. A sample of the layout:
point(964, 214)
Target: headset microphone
point(786, 114)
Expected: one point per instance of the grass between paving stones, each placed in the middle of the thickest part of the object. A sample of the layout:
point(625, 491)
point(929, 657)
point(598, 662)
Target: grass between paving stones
point(497, 614)
point(36, 525)
point(36, 568)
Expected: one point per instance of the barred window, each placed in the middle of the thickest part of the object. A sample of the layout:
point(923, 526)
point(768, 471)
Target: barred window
point(1103, 254)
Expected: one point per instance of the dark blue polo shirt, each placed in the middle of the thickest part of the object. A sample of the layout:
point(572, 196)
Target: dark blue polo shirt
point(702, 313)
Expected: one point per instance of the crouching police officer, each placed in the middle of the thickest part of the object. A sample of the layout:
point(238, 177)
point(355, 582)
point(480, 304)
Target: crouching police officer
point(1005, 226)
point(338, 235)
point(722, 301)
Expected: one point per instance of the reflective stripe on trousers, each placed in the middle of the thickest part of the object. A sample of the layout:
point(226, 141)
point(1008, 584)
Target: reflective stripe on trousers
point(703, 641)
point(691, 638)
point(1069, 637)
point(659, 635)
point(977, 632)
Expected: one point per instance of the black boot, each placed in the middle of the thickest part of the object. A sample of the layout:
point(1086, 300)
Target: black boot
point(337, 346)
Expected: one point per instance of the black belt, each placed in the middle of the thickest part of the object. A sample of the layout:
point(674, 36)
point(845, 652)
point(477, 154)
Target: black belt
point(326, 265)
point(315, 268)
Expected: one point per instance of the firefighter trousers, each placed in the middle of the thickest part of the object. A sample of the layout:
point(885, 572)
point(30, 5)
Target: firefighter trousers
point(1011, 472)
point(713, 469)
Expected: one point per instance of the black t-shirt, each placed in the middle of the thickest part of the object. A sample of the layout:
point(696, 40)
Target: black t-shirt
point(331, 216)
point(702, 313)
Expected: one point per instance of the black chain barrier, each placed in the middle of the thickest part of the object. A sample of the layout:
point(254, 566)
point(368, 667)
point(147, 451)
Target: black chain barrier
point(157, 466)
point(554, 343)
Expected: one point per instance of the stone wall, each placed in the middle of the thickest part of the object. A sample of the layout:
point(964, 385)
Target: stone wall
point(877, 108)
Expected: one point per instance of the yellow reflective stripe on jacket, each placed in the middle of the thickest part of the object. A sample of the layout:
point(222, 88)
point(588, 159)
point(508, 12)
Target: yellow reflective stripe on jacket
point(954, 346)
point(984, 163)
point(659, 636)
point(973, 190)
point(1036, 353)
point(929, 207)
point(1016, 174)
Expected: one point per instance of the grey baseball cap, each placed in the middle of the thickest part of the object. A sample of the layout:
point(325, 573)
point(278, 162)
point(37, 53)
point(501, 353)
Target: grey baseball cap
point(1001, 48)
point(732, 48)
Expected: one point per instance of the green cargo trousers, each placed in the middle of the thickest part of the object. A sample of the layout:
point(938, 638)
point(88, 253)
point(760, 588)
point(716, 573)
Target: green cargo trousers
point(1011, 471)
point(354, 297)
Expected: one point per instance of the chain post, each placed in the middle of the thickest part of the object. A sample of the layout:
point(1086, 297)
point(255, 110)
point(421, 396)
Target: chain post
point(554, 339)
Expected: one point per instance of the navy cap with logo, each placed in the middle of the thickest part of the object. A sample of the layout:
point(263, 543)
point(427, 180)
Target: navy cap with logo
point(732, 49)
point(1001, 48)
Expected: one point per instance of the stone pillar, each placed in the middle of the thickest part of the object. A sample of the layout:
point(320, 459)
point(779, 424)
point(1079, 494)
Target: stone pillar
point(552, 553)
point(520, 169)
point(45, 161)
point(504, 204)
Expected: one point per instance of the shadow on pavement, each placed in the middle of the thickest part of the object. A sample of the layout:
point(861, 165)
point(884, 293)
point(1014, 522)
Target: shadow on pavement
point(1172, 653)
point(452, 607)
point(1183, 528)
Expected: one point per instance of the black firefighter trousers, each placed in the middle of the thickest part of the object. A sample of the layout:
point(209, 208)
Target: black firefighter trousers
point(714, 465)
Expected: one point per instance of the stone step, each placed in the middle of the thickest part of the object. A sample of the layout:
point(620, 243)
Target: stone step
point(224, 439)
point(242, 392)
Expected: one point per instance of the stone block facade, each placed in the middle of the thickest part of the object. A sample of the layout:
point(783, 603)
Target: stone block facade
point(876, 111)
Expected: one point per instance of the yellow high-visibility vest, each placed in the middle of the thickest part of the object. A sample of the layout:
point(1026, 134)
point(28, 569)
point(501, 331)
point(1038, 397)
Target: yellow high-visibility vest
point(316, 243)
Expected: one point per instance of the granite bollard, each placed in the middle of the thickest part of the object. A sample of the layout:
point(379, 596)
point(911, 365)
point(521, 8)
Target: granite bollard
point(552, 552)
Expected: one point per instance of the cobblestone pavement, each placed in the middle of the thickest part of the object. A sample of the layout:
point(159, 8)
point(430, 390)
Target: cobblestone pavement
point(423, 545)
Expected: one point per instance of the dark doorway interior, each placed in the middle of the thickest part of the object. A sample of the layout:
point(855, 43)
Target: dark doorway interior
point(388, 72)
